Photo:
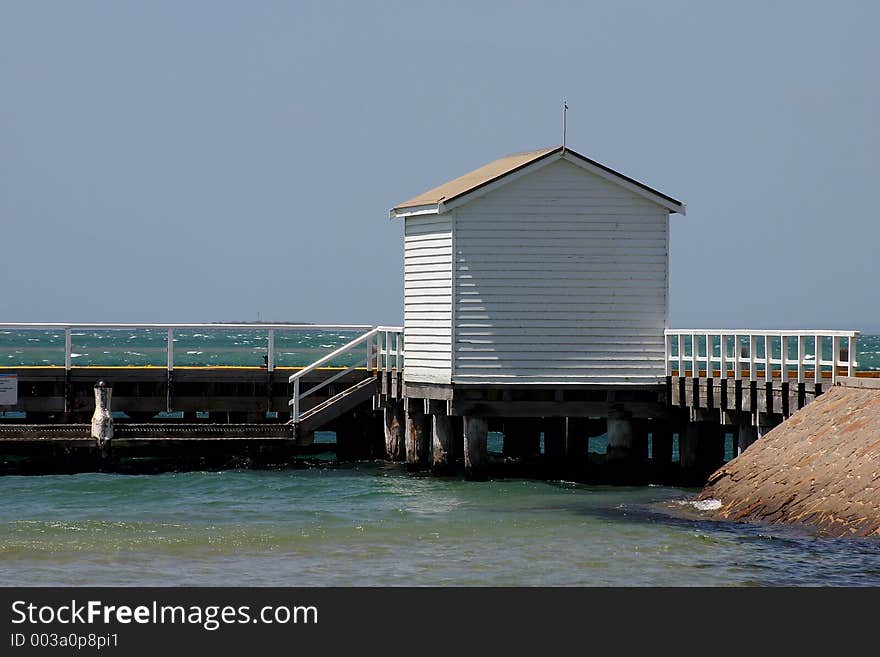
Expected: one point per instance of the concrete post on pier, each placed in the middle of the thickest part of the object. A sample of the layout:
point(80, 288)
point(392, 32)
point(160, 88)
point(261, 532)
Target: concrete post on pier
point(476, 450)
point(620, 437)
point(418, 440)
point(394, 418)
point(102, 419)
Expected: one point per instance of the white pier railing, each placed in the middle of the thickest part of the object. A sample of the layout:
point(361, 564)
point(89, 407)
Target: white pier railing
point(761, 355)
point(270, 331)
point(383, 352)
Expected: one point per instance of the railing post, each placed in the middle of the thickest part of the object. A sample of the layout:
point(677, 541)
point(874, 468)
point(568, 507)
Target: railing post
point(399, 351)
point(68, 358)
point(695, 350)
point(802, 353)
point(294, 413)
point(783, 358)
point(768, 368)
point(170, 349)
point(722, 344)
point(835, 358)
point(817, 373)
point(753, 345)
point(710, 353)
point(680, 354)
point(270, 355)
point(851, 352)
point(737, 356)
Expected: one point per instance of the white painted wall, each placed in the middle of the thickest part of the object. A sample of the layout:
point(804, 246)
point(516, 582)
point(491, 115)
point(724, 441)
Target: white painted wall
point(560, 277)
point(427, 272)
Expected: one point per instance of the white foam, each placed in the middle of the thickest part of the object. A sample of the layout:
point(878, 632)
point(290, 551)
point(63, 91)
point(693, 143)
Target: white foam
point(707, 505)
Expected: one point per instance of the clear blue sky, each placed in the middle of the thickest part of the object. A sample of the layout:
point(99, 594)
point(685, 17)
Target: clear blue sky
point(202, 161)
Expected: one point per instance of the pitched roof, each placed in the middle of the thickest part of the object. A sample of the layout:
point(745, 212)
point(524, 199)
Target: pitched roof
point(489, 173)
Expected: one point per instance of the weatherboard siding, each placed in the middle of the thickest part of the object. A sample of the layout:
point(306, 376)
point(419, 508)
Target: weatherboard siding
point(427, 273)
point(560, 277)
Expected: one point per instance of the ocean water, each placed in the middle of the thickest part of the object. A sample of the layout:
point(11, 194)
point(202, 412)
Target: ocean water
point(200, 347)
point(192, 347)
point(374, 523)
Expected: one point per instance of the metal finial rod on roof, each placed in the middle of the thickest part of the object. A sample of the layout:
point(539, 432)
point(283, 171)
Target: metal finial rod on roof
point(564, 117)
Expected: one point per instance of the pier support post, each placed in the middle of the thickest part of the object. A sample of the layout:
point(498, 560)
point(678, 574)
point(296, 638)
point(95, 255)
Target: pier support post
point(441, 453)
point(639, 455)
point(356, 434)
point(395, 430)
point(688, 439)
point(554, 444)
point(349, 437)
point(102, 419)
point(476, 452)
point(417, 435)
point(701, 447)
point(576, 444)
point(522, 438)
point(661, 447)
point(746, 435)
point(620, 437)
point(456, 450)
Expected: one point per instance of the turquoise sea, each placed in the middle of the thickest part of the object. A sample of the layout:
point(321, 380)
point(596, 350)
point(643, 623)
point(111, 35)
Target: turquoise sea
point(199, 347)
point(373, 523)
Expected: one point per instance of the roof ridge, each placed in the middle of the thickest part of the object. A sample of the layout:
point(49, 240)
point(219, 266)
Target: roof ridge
point(507, 165)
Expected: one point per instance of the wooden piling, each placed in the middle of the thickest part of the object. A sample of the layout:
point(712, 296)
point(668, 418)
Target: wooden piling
point(441, 453)
point(418, 429)
point(554, 445)
point(476, 453)
point(701, 449)
point(394, 419)
point(522, 438)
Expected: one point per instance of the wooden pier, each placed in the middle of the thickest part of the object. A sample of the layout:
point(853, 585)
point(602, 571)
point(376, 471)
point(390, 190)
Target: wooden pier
point(535, 305)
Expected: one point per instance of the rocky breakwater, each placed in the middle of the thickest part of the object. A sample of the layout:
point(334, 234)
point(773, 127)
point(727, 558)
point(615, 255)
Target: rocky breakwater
point(821, 467)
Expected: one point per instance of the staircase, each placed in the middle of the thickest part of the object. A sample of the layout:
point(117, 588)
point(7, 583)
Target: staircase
point(383, 351)
point(337, 405)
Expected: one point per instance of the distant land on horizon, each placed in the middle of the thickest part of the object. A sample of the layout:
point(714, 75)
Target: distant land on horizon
point(260, 321)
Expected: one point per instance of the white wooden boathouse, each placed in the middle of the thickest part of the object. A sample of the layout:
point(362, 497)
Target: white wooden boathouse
point(544, 267)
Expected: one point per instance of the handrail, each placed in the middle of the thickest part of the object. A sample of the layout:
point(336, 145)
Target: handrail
point(391, 336)
point(740, 348)
point(773, 333)
point(344, 349)
point(169, 328)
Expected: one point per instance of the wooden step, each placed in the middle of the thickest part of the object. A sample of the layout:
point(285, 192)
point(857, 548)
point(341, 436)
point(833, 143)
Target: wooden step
point(332, 408)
